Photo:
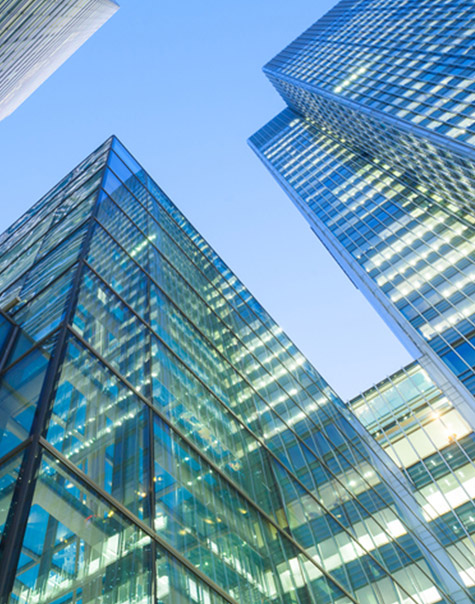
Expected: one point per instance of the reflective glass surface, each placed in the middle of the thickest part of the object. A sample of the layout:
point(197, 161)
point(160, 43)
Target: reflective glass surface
point(38, 39)
point(403, 243)
point(99, 425)
point(394, 81)
point(20, 389)
point(9, 470)
point(76, 547)
point(191, 452)
point(427, 437)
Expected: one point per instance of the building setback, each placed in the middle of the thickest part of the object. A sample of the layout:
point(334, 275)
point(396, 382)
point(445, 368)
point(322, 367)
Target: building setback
point(397, 82)
point(411, 256)
point(162, 440)
point(37, 36)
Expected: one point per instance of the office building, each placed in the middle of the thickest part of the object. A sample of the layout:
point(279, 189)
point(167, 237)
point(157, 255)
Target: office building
point(37, 36)
point(429, 440)
point(397, 82)
point(162, 440)
point(376, 149)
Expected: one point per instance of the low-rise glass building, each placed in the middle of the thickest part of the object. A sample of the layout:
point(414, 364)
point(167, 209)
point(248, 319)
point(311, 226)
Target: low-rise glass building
point(429, 440)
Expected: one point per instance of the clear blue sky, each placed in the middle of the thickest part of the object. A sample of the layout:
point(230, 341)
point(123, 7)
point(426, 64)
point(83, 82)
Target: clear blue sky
point(180, 83)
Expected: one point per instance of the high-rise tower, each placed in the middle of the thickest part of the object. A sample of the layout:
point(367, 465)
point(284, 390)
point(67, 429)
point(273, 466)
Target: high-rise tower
point(377, 150)
point(163, 441)
point(396, 81)
point(36, 37)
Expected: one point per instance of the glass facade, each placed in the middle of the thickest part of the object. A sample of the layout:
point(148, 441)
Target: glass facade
point(426, 436)
point(377, 150)
point(36, 37)
point(411, 255)
point(161, 438)
point(395, 80)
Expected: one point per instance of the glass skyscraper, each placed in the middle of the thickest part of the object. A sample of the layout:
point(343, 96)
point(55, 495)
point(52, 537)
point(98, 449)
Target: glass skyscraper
point(376, 149)
point(37, 36)
point(163, 441)
point(397, 81)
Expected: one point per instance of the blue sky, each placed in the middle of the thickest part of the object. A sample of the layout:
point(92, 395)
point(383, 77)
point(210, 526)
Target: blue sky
point(180, 83)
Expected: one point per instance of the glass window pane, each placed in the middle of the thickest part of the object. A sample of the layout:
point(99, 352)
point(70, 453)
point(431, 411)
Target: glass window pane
point(20, 388)
point(8, 477)
point(118, 167)
point(207, 521)
point(43, 210)
point(103, 428)
point(113, 331)
point(117, 269)
point(45, 312)
point(23, 343)
point(78, 549)
point(53, 264)
point(215, 528)
point(175, 585)
point(5, 328)
point(79, 195)
point(127, 158)
point(10, 282)
point(68, 224)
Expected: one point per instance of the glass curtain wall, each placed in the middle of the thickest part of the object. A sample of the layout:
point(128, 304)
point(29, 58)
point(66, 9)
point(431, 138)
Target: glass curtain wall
point(425, 436)
point(410, 254)
point(164, 441)
point(377, 150)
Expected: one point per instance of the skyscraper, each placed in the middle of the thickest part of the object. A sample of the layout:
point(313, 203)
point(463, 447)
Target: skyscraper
point(37, 37)
point(376, 149)
point(162, 440)
point(396, 81)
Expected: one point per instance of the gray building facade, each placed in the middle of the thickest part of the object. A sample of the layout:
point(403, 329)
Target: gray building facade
point(37, 36)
